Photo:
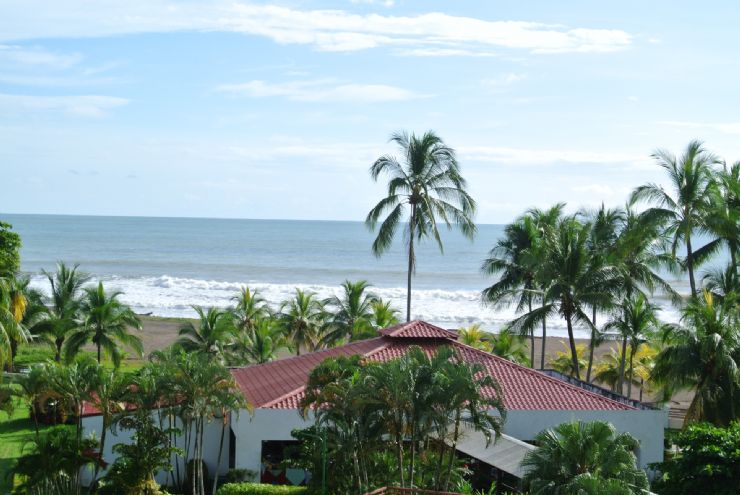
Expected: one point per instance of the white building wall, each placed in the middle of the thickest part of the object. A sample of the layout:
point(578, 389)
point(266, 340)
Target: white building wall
point(264, 424)
point(211, 439)
point(647, 426)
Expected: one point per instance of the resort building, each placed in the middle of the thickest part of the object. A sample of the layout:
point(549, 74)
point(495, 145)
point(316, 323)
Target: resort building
point(534, 401)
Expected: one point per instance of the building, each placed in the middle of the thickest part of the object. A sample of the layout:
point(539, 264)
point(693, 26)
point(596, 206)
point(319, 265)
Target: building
point(534, 401)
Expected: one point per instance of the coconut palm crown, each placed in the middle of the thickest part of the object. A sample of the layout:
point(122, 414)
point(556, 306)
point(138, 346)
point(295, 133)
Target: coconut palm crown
point(426, 188)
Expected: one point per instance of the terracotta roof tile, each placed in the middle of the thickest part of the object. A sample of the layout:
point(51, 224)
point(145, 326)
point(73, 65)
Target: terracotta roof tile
point(280, 384)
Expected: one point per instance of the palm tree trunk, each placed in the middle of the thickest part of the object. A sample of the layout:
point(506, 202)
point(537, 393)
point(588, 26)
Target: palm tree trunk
point(690, 264)
point(591, 347)
point(58, 342)
point(412, 219)
point(544, 338)
point(629, 382)
point(622, 362)
point(455, 435)
point(102, 448)
point(399, 455)
point(572, 343)
point(98, 352)
point(531, 335)
point(220, 449)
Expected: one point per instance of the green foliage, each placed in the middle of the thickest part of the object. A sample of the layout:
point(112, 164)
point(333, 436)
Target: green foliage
point(10, 246)
point(382, 421)
point(708, 462)
point(588, 458)
point(138, 462)
point(260, 489)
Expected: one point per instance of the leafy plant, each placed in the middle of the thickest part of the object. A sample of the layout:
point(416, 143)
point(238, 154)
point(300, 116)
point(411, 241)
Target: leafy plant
point(260, 489)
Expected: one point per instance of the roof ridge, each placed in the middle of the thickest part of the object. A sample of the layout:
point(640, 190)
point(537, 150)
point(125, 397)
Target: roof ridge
point(302, 356)
point(271, 403)
point(540, 375)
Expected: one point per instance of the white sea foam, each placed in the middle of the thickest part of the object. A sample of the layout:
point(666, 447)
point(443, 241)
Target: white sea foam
point(175, 296)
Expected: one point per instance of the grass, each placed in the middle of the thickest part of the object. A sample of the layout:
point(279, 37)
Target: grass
point(16, 432)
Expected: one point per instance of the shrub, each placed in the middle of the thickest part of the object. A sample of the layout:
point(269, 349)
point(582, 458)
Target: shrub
point(708, 462)
point(260, 489)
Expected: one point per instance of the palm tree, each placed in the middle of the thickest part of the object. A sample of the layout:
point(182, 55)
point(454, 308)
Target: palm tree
point(302, 319)
point(683, 210)
point(66, 285)
point(250, 308)
point(513, 258)
point(104, 321)
point(475, 336)
point(428, 183)
point(13, 305)
point(384, 315)
point(563, 362)
point(261, 345)
point(35, 387)
point(349, 316)
point(722, 283)
point(703, 354)
point(608, 370)
point(723, 215)
point(578, 453)
point(636, 321)
point(605, 224)
point(213, 335)
point(107, 390)
point(511, 346)
point(575, 282)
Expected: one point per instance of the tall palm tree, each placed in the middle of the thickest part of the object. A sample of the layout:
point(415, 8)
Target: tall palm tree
point(427, 183)
point(513, 259)
point(213, 334)
point(723, 215)
point(703, 355)
point(636, 321)
point(249, 309)
point(563, 362)
point(105, 321)
point(573, 454)
point(66, 287)
point(683, 210)
point(605, 224)
point(349, 316)
point(261, 345)
point(302, 319)
point(575, 282)
point(107, 391)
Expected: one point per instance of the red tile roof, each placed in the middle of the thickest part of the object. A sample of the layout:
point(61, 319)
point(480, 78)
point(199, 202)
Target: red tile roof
point(280, 384)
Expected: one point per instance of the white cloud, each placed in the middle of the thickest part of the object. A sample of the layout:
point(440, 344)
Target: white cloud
point(502, 82)
point(519, 156)
point(442, 52)
point(722, 127)
point(82, 106)
point(36, 56)
point(384, 3)
point(330, 30)
point(321, 91)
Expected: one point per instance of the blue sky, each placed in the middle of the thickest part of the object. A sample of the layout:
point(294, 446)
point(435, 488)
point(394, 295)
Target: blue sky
point(276, 110)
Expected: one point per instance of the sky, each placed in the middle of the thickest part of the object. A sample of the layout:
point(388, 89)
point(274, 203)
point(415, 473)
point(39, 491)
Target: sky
point(241, 109)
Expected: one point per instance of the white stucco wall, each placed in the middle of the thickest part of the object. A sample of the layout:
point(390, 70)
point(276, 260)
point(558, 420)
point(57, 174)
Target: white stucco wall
point(211, 439)
point(265, 424)
point(646, 426)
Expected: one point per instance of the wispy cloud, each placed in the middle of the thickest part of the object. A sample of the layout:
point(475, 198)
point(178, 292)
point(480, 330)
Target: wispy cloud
point(520, 156)
point(442, 52)
point(329, 30)
point(81, 106)
point(37, 57)
point(502, 82)
point(722, 127)
point(323, 90)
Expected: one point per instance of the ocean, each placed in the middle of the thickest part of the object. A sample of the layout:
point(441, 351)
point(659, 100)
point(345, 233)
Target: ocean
point(164, 266)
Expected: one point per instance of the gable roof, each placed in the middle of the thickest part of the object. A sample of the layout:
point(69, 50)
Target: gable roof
point(280, 384)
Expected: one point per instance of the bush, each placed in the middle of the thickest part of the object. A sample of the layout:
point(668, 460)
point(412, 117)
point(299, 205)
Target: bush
point(708, 462)
point(260, 489)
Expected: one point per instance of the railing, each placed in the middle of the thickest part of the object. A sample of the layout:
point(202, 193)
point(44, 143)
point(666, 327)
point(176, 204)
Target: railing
point(395, 490)
point(598, 390)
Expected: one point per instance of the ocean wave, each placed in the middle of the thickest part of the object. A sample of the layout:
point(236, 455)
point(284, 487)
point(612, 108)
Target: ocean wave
point(175, 296)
